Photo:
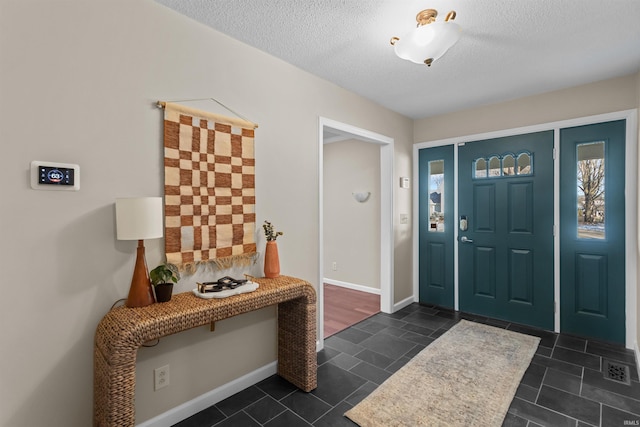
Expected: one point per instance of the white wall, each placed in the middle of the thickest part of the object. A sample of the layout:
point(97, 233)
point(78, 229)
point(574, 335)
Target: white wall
point(78, 83)
point(638, 261)
point(352, 229)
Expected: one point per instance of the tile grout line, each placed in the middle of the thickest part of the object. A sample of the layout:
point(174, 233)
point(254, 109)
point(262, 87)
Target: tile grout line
point(601, 411)
point(390, 324)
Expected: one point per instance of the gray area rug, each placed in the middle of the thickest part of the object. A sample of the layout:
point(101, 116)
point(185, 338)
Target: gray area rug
point(467, 377)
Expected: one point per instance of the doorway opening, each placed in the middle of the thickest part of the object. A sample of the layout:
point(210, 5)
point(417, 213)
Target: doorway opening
point(331, 131)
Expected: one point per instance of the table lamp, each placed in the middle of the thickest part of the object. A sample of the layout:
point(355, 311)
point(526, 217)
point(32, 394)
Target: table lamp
point(138, 219)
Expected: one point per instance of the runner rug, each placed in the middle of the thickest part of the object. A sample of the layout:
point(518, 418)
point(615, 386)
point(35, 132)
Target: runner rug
point(467, 377)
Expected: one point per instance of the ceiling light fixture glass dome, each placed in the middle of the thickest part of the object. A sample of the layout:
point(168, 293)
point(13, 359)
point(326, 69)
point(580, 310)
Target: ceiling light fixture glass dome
point(429, 40)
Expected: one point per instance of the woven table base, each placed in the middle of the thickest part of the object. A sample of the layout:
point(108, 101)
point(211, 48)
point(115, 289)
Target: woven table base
point(123, 330)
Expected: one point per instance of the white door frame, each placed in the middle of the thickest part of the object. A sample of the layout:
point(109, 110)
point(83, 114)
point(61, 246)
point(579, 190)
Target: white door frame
point(386, 214)
point(631, 206)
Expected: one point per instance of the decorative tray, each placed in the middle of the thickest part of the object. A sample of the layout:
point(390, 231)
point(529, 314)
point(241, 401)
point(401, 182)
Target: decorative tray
point(223, 288)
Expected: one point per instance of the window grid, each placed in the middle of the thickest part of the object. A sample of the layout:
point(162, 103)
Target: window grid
point(505, 165)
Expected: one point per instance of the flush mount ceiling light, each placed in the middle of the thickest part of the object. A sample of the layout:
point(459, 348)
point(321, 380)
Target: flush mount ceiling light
point(429, 40)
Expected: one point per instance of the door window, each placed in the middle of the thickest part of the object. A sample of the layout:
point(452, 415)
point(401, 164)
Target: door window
point(436, 196)
point(507, 164)
point(524, 164)
point(494, 166)
point(480, 170)
point(591, 190)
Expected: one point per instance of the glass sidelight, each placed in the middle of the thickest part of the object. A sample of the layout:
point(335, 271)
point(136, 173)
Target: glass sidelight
point(591, 190)
point(436, 196)
point(436, 225)
point(593, 259)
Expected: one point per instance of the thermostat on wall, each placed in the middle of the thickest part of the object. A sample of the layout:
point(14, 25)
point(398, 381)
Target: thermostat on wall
point(404, 182)
point(55, 176)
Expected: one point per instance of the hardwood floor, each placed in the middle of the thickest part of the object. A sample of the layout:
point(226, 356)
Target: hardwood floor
point(345, 307)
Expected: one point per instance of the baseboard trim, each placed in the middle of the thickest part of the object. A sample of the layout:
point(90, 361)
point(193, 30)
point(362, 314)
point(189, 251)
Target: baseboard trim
point(353, 286)
point(402, 304)
point(212, 397)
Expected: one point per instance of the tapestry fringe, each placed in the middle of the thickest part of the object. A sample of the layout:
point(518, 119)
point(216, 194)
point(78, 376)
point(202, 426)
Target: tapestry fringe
point(242, 260)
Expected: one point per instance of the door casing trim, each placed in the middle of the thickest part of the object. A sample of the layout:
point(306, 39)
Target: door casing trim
point(631, 208)
point(386, 215)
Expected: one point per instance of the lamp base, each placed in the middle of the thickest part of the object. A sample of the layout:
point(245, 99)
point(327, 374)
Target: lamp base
point(140, 292)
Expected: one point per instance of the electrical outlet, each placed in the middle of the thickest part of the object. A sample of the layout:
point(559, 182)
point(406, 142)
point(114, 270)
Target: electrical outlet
point(334, 266)
point(160, 377)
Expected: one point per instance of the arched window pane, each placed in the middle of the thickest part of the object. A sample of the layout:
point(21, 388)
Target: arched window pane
point(508, 165)
point(494, 166)
point(480, 168)
point(524, 164)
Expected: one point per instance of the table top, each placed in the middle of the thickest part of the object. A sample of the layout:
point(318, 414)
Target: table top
point(130, 327)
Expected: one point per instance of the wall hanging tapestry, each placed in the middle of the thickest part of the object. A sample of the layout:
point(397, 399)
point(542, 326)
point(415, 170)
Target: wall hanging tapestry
point(209, 168)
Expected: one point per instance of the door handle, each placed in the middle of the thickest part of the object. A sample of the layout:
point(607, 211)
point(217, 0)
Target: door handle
point(464, 239)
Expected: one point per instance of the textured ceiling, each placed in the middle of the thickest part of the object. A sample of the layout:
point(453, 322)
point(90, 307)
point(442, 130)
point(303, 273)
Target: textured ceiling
point(508, 49)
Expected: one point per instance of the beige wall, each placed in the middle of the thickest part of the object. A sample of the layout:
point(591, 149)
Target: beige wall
point(78, 84)
point(580, 101)
point(352, 229)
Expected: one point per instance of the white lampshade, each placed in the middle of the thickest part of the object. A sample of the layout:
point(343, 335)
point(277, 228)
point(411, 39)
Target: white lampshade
point(427, 41)
point(139, 218)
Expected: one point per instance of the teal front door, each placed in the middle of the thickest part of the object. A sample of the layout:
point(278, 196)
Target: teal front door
point(505, 207)
point(592, 224)
point(436, 224)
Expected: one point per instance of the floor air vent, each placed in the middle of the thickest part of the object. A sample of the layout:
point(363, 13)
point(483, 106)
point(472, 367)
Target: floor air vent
point(616, 372)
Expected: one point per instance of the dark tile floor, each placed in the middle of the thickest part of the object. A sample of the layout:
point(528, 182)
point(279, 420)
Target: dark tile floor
point(564, 385)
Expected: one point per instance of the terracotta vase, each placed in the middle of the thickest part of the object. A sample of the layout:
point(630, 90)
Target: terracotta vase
point(271, 260)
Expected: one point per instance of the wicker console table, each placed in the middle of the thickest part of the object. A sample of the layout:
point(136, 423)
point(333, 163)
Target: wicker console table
point(123, 330)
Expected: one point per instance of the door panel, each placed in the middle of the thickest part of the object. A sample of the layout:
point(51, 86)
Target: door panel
point(592, 224)
point(484, 207)
point(436, 222)
point(591, 295)
point(485, 272)
point(437, 264)
point(506, 192)
point(520, 207)
point(520, 284)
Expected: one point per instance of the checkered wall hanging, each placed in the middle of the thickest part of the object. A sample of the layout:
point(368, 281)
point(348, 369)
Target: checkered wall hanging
point(209, 167)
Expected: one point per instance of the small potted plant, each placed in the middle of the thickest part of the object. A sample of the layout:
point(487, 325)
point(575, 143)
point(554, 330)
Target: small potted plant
point(162, 278)
point(271, 257)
